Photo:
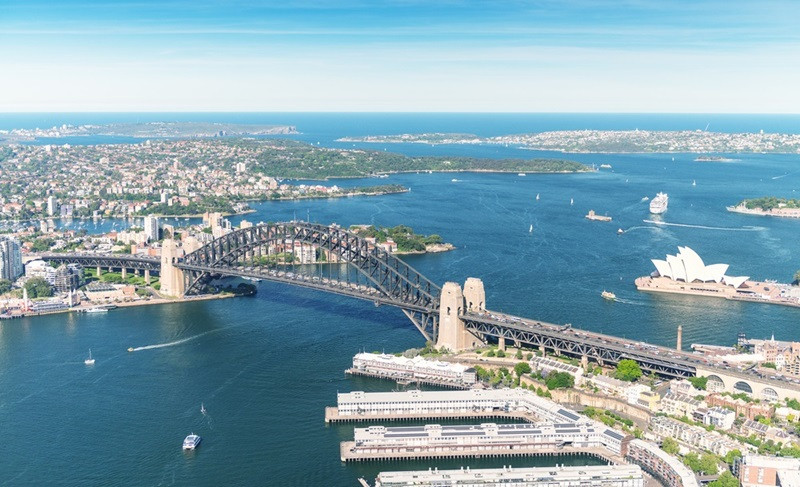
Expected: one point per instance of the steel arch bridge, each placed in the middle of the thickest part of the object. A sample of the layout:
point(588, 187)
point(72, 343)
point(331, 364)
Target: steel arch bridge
point(117, 261)
point(322, 257)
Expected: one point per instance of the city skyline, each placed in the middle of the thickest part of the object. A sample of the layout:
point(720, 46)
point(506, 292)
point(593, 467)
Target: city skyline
point(712, 57)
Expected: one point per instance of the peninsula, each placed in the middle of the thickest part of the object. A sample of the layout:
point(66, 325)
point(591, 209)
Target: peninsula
point(617, 141)
point(401, 239)
point(193, 176)
point(147, 130)
point(768, 206)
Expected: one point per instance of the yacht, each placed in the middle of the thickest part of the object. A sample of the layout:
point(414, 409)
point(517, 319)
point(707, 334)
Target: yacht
point(620, 231)
point(659, 204)
point(202, 409)
point(90, 360)
point(191, 442)
point(522, 174)
point(537, 196)
point(608, 295)
point(694, 183)
point(97, 310)
point(530, 230)
point(645, 198)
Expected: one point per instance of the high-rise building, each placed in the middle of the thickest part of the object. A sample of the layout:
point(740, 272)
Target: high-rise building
point(10, 259)
point(151, 228)
point(51, 205)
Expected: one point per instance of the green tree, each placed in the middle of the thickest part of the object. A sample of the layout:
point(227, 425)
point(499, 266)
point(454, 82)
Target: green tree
point(628, 370)
point(699, 382)
point(500, 353)
point(731, 456)
point(5, 286)
point(518, 355)
point(670, 446)
point(559, 380)
point(796, 277)
point(522, 368)
point(37, 287)
point(725, 480)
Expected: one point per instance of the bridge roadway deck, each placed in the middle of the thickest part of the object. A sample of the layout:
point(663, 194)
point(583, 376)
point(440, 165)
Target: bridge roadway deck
point(621, 347)
point(343, 288)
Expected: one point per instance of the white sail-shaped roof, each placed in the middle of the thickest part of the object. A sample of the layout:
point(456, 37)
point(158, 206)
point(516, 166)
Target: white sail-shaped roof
point(662, 266)
point(687, 266)
point(676, 264)
point(735, 281)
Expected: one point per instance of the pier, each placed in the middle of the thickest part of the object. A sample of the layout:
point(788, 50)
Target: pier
point(350, 454)
point(332, 416)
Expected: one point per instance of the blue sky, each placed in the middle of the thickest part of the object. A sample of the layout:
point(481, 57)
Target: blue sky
point(517, 56)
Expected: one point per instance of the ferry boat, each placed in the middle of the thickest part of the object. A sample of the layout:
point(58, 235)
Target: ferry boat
point(608, 295)
point(90, 360)
point(522, 174)
point(191, 442)
point(659, 204)
point(96, 310)
point(605, 166)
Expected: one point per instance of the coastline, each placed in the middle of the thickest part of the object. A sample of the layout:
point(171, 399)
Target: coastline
point(755, 291)
point(795, 215)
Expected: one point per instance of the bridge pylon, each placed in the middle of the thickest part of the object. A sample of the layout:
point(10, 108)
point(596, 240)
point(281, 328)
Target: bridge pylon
point(172, 279)
point(453, 333)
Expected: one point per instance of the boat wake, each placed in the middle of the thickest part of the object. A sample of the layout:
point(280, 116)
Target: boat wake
point(170, 344)
point(781, 176)
point(628, 301)
point(704, 227)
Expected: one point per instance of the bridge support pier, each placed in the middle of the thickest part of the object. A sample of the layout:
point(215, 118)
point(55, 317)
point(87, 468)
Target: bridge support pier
point(99, 272)
point(453, 334)
point(501, 343)
point(584, 362)
point(147, 276)
point(124, 273)
point(172, 279)
point(543, 350)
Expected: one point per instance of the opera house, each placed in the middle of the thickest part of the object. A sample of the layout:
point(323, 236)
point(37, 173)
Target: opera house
point(686, 273)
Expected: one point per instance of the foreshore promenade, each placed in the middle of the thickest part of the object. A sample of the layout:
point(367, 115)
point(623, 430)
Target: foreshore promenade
point(750, 291)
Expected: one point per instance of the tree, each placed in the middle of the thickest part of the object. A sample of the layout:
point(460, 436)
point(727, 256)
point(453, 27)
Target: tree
point(500, 353)
point(522, 368)
point(37, 287)
point(725, 480)
point(518, 355)
point(731, 456)
point(628, 370)
point(670, 446)
point(559, 380)
point(796, 277)
point(699, 382)
point(5, 286)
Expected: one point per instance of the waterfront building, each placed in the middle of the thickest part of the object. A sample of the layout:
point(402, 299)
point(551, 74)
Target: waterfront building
point(546, 365)
point(758, 471)
point(151, 228)
point(413, 369)
point(48, 306)
point(688, 267)
point(362, 405)
point(694, 436)
point(558, 476)
point(671, 471)
point(10, 259)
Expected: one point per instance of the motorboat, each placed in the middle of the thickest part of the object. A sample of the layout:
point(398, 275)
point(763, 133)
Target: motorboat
point(90, 360)
point(97, 310)
point(191, 442)
point(130, 349)
point(608, 295)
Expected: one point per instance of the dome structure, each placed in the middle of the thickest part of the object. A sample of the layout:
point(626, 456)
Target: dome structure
point(687, 266)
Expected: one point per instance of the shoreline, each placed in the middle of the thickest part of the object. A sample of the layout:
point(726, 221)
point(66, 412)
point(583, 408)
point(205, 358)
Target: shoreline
point(717, 290)
point(760, 212)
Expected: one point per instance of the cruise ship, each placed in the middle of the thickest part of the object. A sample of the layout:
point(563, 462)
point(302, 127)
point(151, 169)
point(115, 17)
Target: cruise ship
point(659, 204)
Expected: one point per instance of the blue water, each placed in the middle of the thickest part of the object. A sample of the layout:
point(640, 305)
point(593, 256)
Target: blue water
point(265, 367)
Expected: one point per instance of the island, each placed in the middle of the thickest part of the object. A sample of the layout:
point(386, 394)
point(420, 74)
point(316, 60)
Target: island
point(617, 141)
point(768, 206)
point(147, 130)
point(186, 177)
point(401, 239)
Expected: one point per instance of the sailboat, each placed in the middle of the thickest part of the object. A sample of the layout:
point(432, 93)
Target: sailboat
point(537, 196)
point(530, 230)
point(90, 360)
point(571, 201)
point(202, 409)
point(694, 183)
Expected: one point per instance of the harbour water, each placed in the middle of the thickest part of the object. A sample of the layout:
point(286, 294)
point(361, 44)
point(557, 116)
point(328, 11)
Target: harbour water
point(265, 367)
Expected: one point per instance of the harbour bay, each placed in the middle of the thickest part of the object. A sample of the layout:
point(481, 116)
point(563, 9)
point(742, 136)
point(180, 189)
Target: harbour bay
point(265, 367)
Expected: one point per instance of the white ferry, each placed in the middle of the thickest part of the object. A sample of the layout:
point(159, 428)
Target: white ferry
point(191, 442)
point(659, 204)
point(96, 310)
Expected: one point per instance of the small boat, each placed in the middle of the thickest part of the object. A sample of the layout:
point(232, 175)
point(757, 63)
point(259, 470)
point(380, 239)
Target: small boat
point(645, 198)
point(90, 360)
point(191, 442)
point(530, 230)
point(608, 295)
point(605, 166)
point(454, 180)
point(620, 231)
point(694, 183)
point(522, 174)
point(537, 196)
point(97, 310)
point(130, 349)
point(571, 201)
point(202, 409)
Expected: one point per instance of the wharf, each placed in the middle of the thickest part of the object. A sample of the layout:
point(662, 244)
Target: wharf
point(332, 416)
point(404, 379)
point(348, 453)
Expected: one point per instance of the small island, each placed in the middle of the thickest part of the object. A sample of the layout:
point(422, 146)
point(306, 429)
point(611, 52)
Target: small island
point(768, 206)
point(401, 239)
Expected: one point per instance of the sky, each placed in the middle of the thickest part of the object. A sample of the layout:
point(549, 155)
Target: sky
point(413, 56)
